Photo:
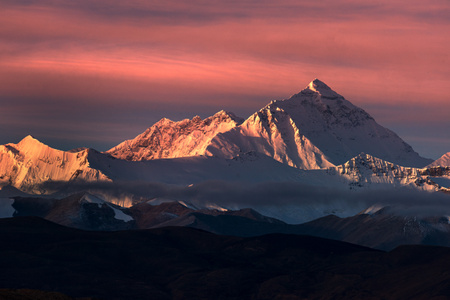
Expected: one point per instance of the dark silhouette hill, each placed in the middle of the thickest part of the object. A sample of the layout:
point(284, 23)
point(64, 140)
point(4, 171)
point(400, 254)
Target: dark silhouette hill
point(186, 263)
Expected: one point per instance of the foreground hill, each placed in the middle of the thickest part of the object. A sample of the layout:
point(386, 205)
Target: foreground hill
point(182, 263)
point(378, 227)
point(383, 229)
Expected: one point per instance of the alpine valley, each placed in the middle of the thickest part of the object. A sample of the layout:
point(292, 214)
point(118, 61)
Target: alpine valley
point(293, 161)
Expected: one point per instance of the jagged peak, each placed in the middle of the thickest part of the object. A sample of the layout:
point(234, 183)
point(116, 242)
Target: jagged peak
point(196, 118)
point(164, 121)
point(228, 115)
point(319, 87)
point(443, 161)
point(367, 161)
point(224, 113)
point(79, 149)
point(29, 140)
point(365, 157)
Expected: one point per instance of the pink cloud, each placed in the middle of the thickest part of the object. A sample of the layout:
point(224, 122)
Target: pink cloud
point(237, 54)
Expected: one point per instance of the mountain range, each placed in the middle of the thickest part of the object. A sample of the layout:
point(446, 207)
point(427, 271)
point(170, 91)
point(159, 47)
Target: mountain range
point(316, 128)
point(296, 160)
point(194, 204)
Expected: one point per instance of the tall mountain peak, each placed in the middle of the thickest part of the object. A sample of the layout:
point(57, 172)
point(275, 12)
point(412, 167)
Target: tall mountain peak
point(29, 144)
point(319, 87)
point(316, 128)
point(29, 139)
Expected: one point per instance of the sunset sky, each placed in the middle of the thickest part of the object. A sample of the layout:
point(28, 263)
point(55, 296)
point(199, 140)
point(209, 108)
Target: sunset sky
point(94, 73)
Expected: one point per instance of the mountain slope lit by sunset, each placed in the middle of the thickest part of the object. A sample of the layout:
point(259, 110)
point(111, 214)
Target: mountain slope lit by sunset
point(97, 73)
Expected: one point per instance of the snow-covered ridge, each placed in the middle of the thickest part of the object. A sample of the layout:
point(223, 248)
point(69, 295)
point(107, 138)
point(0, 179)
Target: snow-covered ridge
point(317, 86)
point(30, 162)
point(443, 161)
point(365, 170)
point(270, 131)
point(169, 139)
point(316, 128)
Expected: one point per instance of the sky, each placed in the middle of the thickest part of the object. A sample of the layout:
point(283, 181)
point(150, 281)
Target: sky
point(94, 73)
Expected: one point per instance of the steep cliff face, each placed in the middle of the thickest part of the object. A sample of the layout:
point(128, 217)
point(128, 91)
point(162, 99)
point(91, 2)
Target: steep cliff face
point(169, 139)
point(316, 128)
point(29, 163)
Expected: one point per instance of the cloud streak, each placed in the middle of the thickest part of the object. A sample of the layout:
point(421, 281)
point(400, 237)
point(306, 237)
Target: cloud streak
point(290, 201)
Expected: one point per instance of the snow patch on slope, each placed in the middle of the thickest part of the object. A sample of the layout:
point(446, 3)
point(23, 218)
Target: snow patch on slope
point(118, 214)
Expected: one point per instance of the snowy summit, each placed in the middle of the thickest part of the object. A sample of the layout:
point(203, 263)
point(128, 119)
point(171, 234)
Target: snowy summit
point(316, 128)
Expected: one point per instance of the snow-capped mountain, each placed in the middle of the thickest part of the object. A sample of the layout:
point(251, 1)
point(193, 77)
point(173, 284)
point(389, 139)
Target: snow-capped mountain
point(365, 170)
point(169, 139)
point(313, 141)
point(316, 128)
point(249, 180)
point(443, 161)
point(29, 163)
